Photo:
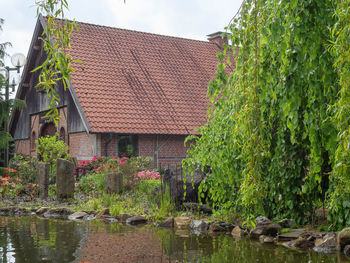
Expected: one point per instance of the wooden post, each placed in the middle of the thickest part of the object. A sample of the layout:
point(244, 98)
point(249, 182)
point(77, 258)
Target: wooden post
point(43, 179)
point(114, 183)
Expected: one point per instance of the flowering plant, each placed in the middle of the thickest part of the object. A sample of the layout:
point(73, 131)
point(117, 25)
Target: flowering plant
point(8, 180)
point(147, 175)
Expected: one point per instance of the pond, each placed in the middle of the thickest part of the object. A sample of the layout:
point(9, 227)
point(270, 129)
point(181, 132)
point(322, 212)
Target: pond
point(32, 239)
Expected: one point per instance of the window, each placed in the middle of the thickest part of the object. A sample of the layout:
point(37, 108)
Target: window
point(62, 134)
point(127, 145)
point(32, 141)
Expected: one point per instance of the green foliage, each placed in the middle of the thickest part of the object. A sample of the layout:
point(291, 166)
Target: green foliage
point(92, 183)
point(277, 122)
point(162, 208)
point(135, 164)
point(147, 186)
point(26, 166)
point(57, 67)
point(340, 179)
point(6, 105)
point(50, 149)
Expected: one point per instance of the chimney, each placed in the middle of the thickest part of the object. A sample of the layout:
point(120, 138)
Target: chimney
point(218, 39)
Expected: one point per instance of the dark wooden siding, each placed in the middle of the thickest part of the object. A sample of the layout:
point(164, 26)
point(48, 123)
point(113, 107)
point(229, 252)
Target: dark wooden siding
point(37, 102)
point(74, 121)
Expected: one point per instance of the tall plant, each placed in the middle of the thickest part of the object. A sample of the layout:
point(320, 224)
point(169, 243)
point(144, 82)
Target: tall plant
point(270, 139)
point(57, 67)
point(6, 105)
point(340, 179)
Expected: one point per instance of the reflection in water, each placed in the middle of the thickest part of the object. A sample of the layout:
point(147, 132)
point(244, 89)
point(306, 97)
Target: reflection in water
point(31, 239)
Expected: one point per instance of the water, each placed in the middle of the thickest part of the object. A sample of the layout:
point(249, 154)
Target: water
point(31, 239)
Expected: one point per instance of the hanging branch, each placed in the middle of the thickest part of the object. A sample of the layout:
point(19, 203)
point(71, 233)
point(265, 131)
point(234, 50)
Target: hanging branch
point(57, 67)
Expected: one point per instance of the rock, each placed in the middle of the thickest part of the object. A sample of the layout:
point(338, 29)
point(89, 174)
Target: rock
point(136, 220)
point(61, 212)
point(110, 220)
point(237, 232)
point(215, 227)
point(14, 210)
point(185, 233)
point(301, 243)
point(114, 183)
point(104, 212)
point(318, 241)
point(124, 217)
point(271, 229)
point(89, 217)
point(169, 222)
point(206, 209)
point(175, 184)
point(347, 250)
point(262, 221)
point(43, 176)
point(42, 210)
point(329, 245)
point(266, 239)
point(292, 235)
point(64, 179)
point(188, 214)
point(343, 237)
point(199, 225)
point(77, 216)
point(182, 222)
point(330, 235)
point(287, 223)
point(227, 226)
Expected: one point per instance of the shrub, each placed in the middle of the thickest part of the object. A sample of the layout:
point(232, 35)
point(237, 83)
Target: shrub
point(26, 167)
point(50, 149)
point(92, 183)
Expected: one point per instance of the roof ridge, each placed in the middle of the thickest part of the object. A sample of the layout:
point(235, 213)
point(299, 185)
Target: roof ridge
point(138, 31)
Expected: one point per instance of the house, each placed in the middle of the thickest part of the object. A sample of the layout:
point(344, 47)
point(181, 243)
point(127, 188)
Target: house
point(136, 92)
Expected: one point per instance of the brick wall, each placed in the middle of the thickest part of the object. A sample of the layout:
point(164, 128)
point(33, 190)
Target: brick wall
point(82, 145)
point(22, 146)
point(171, 151)
point(36, 128)
point(146, 145)
point(112, 147)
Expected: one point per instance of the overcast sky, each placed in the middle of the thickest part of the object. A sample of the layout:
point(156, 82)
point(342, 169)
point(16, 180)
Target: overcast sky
point(184, 18)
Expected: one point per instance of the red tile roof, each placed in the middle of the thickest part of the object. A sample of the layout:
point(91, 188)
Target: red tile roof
point(141, 83)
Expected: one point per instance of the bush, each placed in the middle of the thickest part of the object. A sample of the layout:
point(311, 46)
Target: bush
point(26, 167)
point(50, 149)
point(92, 183)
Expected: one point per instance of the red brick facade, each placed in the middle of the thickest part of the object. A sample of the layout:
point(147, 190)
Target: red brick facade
point(22, 146)
point(166, 149)
point(82, 145)
point(37, 123)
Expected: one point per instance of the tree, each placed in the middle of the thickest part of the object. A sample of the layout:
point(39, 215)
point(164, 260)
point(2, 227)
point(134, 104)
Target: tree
point(6, 105)
point(56, 68)
point(275, 125)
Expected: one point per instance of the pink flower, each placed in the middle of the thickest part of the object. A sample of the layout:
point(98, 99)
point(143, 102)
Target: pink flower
point(98, 168)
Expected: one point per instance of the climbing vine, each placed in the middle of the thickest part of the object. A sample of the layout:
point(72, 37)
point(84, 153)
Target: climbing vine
point(57, 66)
point(278, 126)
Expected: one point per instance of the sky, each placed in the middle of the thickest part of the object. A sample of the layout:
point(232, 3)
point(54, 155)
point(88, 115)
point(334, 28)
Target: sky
point(183, 18)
